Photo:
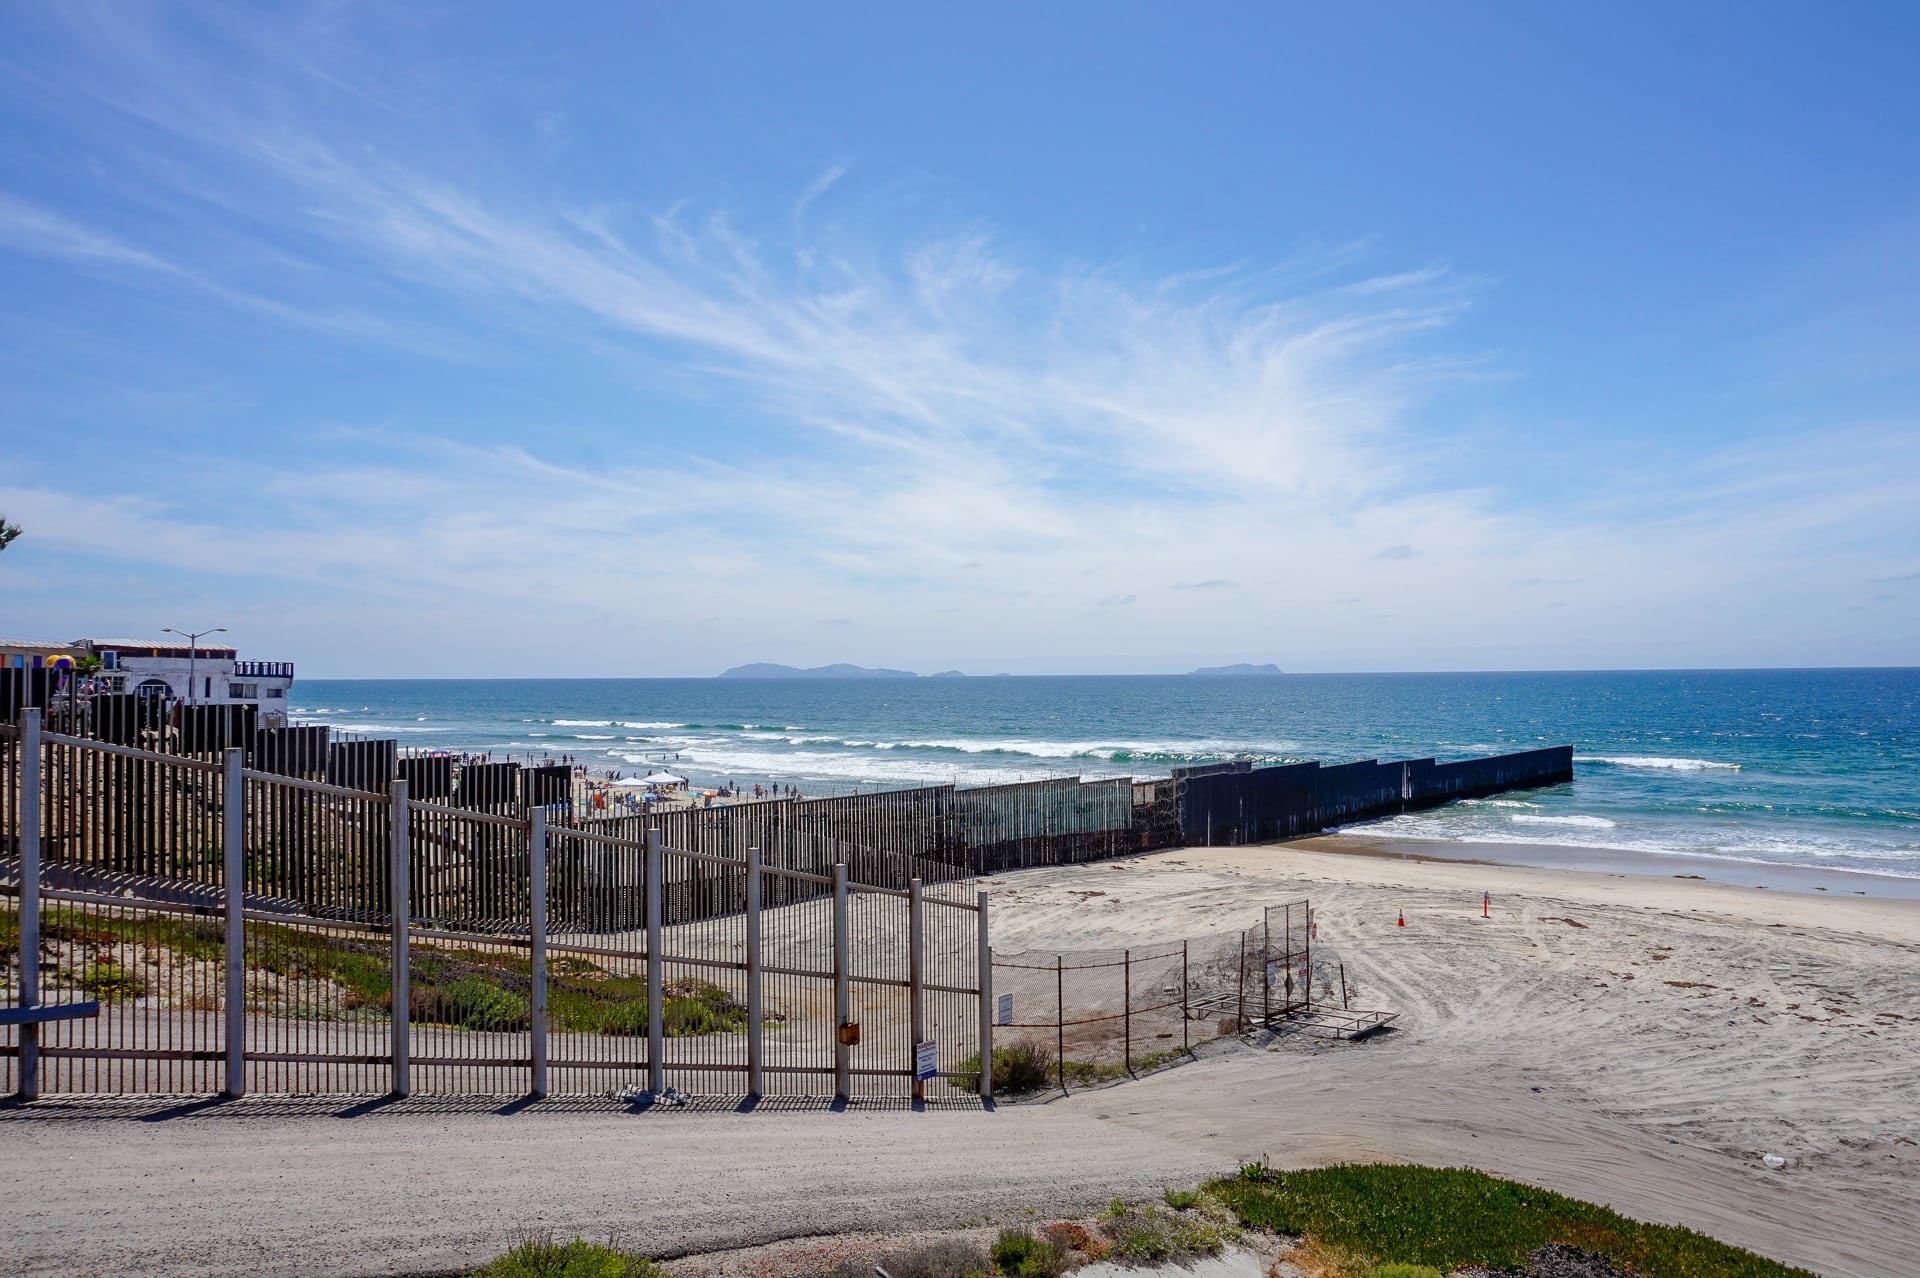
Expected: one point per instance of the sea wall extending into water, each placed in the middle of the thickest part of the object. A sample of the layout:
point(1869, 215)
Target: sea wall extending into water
point(1064, 820)
point(1257, 805)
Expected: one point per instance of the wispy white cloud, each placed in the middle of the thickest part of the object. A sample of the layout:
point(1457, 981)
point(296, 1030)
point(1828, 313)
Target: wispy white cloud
point(29, 229)
point(815, 189)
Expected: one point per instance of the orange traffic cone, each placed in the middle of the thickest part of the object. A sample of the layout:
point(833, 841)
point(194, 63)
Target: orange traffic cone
point(1403, 918)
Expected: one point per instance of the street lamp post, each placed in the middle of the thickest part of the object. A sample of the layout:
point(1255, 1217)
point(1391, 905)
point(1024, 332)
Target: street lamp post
point(193, 651)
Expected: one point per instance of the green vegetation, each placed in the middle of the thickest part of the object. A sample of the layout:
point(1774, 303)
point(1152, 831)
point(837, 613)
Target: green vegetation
point(1019, 1254)
point(492, 990)
point(479, 1005)
point(468, 988)
point(189, 937)
point(1094, 1073)
point(1147, 1235)
point(1017, 1067)
point(542, 1257)
point(1028, 1066)
point(105, 976)
point(8, 532)
point(107, 981)
point(1428, 1219)
point(1181, 1199)
point(941, 1258)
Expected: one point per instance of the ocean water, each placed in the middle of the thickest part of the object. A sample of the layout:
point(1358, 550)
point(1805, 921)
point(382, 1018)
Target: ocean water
point(1810, 767)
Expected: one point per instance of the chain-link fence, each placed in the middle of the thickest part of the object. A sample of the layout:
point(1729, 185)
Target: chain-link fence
point(1080, 1018)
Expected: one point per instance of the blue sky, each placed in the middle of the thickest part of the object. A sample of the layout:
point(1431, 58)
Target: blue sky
point(476, 340)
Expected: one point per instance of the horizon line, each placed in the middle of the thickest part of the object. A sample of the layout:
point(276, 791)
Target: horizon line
point(1094, 674)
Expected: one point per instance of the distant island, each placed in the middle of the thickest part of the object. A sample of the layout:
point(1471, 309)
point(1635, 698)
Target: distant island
point(948, 674)
point(1242, 669)
point(769, 670)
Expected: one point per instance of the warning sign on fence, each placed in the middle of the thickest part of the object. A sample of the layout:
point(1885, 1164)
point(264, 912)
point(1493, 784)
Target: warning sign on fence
point(1004, 1013)
point(926, 1060)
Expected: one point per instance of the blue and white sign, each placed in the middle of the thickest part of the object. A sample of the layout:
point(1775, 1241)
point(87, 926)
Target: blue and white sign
point(926, 1060)
point(1005, 1010)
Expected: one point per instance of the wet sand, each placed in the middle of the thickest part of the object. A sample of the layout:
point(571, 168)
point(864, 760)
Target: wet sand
point(1360, 841)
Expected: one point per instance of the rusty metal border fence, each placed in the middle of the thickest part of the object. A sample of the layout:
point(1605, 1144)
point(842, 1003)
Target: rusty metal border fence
point(1099, 1015)
point(300, 935)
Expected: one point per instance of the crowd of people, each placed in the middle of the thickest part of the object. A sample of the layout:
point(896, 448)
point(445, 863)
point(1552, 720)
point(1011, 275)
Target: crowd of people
point(612, 791)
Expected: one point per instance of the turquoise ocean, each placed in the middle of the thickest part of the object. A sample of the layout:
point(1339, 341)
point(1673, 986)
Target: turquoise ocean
point(1816, 768)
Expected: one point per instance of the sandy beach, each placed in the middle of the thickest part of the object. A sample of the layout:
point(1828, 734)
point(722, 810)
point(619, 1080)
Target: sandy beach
point(1640, 1041)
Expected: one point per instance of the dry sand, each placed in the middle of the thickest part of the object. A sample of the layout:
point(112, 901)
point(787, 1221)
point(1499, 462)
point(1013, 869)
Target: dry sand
point(1634, 1040)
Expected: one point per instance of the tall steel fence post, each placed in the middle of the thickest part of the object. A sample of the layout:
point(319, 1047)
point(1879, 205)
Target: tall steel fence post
point(916, 983)
point(30, 901)
point(756, 976)
point(233, 831)
point(1309, 995)
point(842, 987)
point(400, 911)
point(537, 943)
point(1186, 1016)
point(1240, 1018)
point(986, 1004)
point(1266, 968)
point(1060, 1018)
point(1126, 1006)
point(656, 984)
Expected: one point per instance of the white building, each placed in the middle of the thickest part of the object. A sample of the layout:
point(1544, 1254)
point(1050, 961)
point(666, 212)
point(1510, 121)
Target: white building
point(208, 674)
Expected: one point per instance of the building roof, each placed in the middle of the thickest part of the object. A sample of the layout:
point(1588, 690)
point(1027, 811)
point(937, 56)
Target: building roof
point(11, 641)
point(168, 644)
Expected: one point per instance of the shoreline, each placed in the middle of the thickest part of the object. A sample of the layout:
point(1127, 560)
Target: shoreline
point(1618, 862)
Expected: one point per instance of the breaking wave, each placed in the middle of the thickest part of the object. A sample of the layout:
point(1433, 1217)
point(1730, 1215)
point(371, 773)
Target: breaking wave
point(1659, 762)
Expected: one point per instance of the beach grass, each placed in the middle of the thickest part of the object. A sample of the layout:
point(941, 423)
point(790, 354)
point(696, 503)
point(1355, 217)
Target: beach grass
point(1373, 1216)
point(541, 1256)
point(1028, 1067)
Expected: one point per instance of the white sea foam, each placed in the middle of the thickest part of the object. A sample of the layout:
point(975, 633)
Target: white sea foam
point(371, 727)
point(593, 736)
point(1752, 847)
point(1108, 749)
point(813, 764)
point(656, 727)
point(1657, 761)
point(1577, 819)
point(583, 723)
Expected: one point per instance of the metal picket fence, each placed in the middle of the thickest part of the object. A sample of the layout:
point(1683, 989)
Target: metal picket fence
point(288, 935)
